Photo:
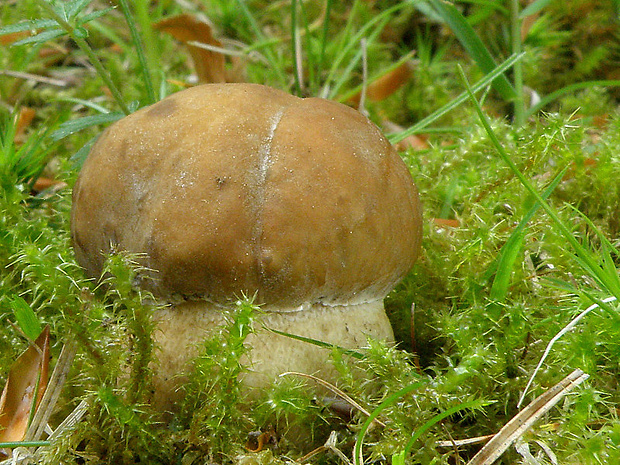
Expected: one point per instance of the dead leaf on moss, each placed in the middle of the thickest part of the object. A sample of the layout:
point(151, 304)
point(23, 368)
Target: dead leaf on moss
point(527, 24)
point(260, 440)
point(25, 385)
point(413, 141)
point(24, 118)
point(384, 86)
point(8, 39)
point(186, 28)
point(179, 84)
point(47, 187)
point(446, 222)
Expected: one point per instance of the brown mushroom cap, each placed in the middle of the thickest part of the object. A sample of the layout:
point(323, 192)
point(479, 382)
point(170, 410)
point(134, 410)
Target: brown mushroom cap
point(231, 188)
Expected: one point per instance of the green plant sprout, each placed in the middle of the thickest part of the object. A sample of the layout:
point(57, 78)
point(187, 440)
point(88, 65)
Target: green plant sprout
point(20, 164)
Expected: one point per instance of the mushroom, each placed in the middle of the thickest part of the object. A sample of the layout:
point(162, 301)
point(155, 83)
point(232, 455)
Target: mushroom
point(240, 188)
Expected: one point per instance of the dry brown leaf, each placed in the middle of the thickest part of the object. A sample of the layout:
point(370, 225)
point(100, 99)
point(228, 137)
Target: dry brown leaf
point(260, 440)
point(186, 28)
point(601, 121)
point(384, 86)
point(180, 84)
point(51, 186)
point(450, 223)
point(7, 39)
point(52, 393)
point(389, 83)
point(27, 375)
point(116, 48)
point(53, 55)
point(25, 117)
point(527, 24)
point(414, 141)
point(53, 52)
point(43, 183)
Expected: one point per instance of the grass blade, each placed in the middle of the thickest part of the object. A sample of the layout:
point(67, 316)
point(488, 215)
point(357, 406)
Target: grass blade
point(358, 458)
point(348, 71)
point(517, 46)
point(316, 342)
point(70, 127)
point(567, 90)
point(328, 9)
point(26, 318)
point(358, 89)
point(473, 45)
point(554, 339)
point(138, 45)
point(296, 53)
point(351, 43)
point(533, 8)
point(52, 393)
point(333, 389)
point(489, 78)
point(584, 256)
point(271, 57)
point(504, 264)
point(473, 404)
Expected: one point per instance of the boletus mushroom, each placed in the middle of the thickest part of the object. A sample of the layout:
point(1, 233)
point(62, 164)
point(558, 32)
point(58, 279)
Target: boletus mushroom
point(240, 188)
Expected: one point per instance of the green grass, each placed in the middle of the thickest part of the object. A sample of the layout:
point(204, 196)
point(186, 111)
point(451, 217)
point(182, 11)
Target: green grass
point(534, 191)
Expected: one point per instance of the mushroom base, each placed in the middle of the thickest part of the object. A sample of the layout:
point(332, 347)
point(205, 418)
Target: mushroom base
point(181, 329)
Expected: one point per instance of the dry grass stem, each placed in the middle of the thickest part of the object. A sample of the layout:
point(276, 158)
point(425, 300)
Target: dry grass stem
point(465, 442)
point(523, 421)
point(52, 393)
point(330, 445)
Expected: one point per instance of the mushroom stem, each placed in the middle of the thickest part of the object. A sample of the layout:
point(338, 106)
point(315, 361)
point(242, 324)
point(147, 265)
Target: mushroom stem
point(346, 326)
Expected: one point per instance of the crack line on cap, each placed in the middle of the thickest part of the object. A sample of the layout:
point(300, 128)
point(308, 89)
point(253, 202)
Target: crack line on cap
point(265, 161)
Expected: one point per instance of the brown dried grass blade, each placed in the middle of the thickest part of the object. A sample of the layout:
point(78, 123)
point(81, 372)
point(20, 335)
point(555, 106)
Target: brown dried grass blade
point(209, 64)
point(521, 422)
point(24, 387)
